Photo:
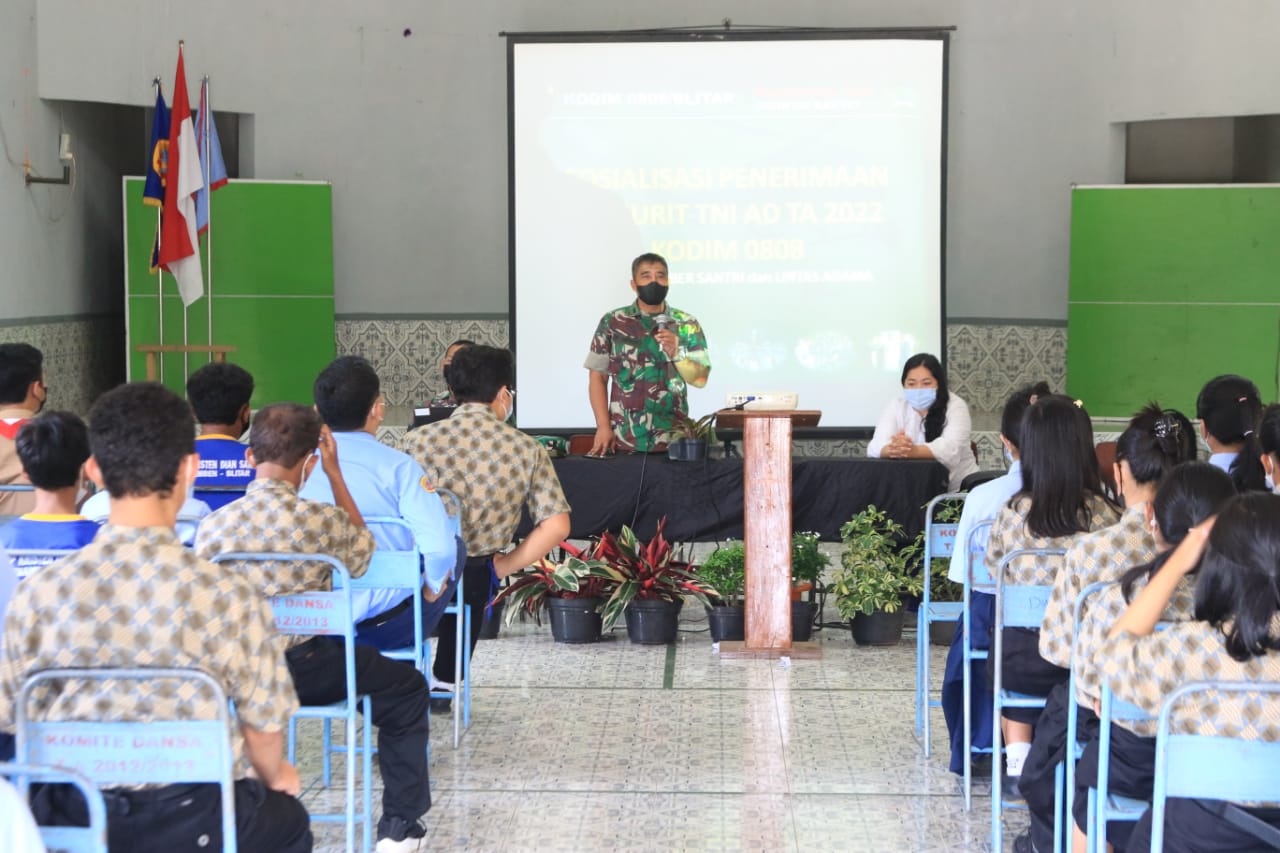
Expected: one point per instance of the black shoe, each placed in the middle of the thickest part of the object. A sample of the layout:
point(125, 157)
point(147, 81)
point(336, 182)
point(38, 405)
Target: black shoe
point(1009, 790)
point(981, 765)
point(1022, 844)
point(441, 706)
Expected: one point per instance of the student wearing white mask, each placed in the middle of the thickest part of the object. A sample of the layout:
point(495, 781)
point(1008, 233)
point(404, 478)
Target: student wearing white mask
point(1269, 444)
point(1228, 408)
point(926, 422)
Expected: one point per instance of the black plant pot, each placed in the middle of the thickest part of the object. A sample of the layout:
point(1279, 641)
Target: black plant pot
point(653, 622)
point(490, 624)
point(878, 629)
point(687, 450)
point(942, 633)
point(574, 620)
point(802, 621)
point(726, 623)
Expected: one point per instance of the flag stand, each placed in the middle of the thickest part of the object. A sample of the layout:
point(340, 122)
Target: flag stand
point(159, 272)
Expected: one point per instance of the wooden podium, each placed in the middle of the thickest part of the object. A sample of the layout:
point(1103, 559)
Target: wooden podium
point(766, 441)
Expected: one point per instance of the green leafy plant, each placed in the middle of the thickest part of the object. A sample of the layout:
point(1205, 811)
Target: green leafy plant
point(647, 571)
point(807, 561)
point(724, 572)
point(875, 570)
point(527, 590)
point(683, 426)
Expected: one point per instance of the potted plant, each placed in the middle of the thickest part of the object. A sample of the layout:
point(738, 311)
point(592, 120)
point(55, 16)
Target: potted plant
point(687, 439)
point(942, 588)
point(874, 574)
point(807, 564)
point(651, 585)
point(724, 573)
point(572, 591)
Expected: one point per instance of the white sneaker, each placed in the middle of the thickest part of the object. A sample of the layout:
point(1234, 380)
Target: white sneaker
point(439, 686)
point(386, 845)
point(411, 835)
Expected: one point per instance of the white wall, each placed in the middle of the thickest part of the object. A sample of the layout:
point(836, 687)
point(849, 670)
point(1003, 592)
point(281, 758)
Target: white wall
point(412, 130)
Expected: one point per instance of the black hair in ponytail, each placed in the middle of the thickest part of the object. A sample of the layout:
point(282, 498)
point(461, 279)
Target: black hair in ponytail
point(1155, 442)
point(1231, 408)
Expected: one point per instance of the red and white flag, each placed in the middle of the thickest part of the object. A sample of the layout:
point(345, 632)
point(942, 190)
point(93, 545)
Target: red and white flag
point(178, 241)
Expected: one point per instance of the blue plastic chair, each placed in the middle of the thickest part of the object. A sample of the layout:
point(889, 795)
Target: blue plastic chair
point(976, 577)
point(462, 642)
point(1073, 750)
point(939, 543)
point(1104, 806)
point(75, 839)
point(1211, 766)
point(327, 614)
point(1017, 606)
point(28, 560)
point(110, 754)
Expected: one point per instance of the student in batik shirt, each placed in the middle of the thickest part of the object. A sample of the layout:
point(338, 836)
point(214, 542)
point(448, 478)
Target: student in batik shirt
point(1234, 636)
point(23, 394)
point(1061, 498)
point(1191, 493)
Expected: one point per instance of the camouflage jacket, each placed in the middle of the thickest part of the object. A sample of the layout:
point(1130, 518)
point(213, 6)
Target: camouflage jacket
point(647, 390)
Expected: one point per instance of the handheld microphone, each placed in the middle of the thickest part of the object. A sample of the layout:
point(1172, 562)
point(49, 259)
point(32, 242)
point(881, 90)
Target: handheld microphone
point(662, 322)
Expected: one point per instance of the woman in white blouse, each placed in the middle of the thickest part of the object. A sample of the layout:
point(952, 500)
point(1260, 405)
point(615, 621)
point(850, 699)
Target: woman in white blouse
point(926, 422)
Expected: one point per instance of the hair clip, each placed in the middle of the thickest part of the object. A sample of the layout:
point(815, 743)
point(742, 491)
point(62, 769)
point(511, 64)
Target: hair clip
point(1166, 426)
point(1243, 400)
point(1248, 433)
point(1079, 404)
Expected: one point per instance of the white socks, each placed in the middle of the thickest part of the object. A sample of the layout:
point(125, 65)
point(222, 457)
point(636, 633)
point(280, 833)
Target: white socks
point(1015, 755)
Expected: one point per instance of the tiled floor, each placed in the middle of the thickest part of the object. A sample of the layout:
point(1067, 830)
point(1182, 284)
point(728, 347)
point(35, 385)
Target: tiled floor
point(621, 747)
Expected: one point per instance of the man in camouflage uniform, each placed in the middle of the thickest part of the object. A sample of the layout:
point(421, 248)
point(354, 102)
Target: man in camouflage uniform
point(652, 361)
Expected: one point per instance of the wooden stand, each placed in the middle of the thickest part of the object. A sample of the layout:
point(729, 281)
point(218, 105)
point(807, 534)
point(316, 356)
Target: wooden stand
point(219, 353)
point(767, 527)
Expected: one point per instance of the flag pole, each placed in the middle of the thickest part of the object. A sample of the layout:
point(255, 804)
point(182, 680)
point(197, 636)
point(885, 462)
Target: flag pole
point(207, 113)
point(186, 310)
point(159, 271)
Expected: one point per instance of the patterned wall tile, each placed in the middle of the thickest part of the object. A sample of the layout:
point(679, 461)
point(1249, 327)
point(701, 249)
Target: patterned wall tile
point(986, 363)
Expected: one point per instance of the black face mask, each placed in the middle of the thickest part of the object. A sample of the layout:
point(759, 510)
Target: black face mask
point(652, 293)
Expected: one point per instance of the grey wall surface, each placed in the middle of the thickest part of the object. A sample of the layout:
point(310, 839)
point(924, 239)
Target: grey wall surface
point(411, 129)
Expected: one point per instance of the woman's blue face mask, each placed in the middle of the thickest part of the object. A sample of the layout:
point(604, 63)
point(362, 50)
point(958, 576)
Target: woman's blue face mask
point(920, 398)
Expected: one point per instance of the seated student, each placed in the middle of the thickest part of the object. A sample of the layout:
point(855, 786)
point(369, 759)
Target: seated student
point(1233, 636)
point(53, 448)
point(1229, 410)
point(23, 394)
point(1154, 443)
point(219, 394)
point(1269, 446)
point(1192, 493)
point(497, 472)
point(983, 503)
point(1061, 498)
point(272, 517)
point(136, 597)
point(384, 482)
point(927, 422)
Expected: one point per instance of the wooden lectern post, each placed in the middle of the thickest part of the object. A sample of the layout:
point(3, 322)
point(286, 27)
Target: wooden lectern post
point(766, 437)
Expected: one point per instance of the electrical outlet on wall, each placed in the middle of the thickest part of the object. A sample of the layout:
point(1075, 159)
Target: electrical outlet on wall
point(64, 147)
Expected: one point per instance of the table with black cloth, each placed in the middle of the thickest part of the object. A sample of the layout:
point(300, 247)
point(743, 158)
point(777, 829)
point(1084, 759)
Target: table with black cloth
point(702, 501)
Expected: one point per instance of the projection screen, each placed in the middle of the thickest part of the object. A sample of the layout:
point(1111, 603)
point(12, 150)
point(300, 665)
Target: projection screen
point(794, 184)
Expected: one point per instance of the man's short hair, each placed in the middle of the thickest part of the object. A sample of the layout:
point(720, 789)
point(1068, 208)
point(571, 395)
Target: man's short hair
point(345, 392)
point(648, 258)
point(284, 433)
point(139, 434)
point(217, 392)
point(52, 448)
point(20, 365)
point(478, 373)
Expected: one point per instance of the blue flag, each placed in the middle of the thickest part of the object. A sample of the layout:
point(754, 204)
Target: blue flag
point(157, 154)
point(211, 165)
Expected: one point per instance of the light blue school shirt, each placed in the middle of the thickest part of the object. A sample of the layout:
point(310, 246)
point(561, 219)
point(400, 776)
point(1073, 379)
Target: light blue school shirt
point(1222, 460)
point(983, 502)
point(98, 507)
point(384, 481)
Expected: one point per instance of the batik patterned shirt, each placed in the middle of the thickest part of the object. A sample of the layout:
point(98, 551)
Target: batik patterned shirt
point(272, 518)
point(1103, 555)
point(647, 391)
point(494, 469)
point(1009, 533)
point(135, 597)
point(1103, 610)
point(1144, 670)
point(13, 503)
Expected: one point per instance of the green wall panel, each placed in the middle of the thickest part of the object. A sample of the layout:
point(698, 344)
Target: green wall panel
point(1169, 287)
point(272, 299)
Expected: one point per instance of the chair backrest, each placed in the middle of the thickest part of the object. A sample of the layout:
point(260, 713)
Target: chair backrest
point(76, 839)
point(940, 536)
point(110, 754)
point(397, 570)
point(17, 487)
point(976, 572)
point(1022, 605)
point(27, 560)
point(317, 613)
point(1211, 766)
point(1105, 452)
